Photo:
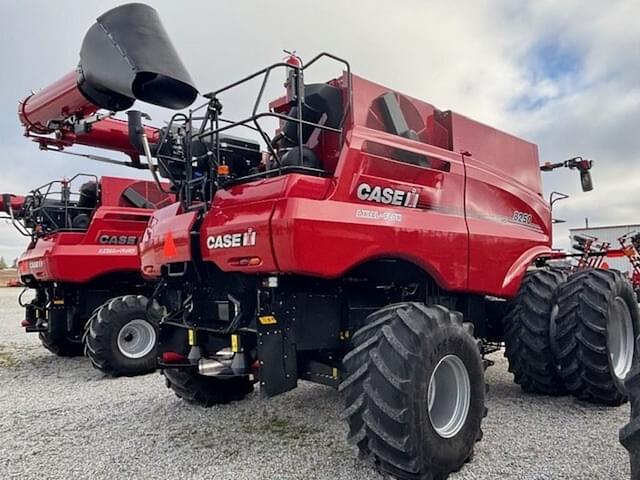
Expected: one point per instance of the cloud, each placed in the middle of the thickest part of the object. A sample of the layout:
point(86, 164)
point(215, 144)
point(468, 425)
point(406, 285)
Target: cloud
point(565, 75)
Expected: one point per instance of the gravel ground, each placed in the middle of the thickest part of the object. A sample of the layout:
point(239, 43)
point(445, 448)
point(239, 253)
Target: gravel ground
point(60, 419)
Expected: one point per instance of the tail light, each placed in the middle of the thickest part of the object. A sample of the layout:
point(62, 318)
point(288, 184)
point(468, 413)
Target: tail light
point(173, 357)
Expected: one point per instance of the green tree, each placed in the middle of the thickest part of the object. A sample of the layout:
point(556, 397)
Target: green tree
point(3, 264)
point(15, 263)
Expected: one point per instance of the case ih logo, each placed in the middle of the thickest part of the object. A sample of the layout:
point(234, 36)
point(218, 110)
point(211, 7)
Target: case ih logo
point(36, 264)
point(232, 240)
point(118, 239)
point(388, 195)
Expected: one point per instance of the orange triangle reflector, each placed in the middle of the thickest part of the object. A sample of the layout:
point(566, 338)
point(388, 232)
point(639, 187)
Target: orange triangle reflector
point(169, 248)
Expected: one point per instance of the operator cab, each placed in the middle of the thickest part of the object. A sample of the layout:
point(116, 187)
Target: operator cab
point(63, 206)
point(87, 202)
point(197, 154)
point(323, 105)
point(59, 205)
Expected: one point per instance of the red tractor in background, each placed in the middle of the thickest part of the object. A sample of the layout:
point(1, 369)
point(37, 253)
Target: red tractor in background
point(379, 246)
point(83, 250)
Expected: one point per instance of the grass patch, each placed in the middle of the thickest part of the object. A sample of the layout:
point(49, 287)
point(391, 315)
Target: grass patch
point(8, 359)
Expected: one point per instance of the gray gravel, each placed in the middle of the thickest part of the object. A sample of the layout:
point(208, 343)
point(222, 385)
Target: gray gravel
point(60, 419)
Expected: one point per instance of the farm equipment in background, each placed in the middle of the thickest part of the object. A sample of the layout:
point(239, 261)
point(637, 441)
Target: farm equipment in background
point(369, 244)
point(594, 252)
point(630, 246)
point(13, 283)
point(83, 236)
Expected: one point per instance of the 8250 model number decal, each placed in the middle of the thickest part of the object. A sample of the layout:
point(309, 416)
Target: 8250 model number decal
point(522, 218)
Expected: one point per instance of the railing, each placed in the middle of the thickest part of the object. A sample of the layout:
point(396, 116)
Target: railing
point(212, 125)
point(51, 208)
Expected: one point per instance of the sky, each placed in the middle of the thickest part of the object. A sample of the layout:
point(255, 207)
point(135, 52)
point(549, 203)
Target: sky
point(564, 75)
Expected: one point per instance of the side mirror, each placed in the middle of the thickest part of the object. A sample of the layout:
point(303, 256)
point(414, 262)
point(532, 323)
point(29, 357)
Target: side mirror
point(585, 180)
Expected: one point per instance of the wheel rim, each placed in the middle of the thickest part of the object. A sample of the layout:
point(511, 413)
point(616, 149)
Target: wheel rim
point(620, 341)
point(449, 396)
point(136, 339)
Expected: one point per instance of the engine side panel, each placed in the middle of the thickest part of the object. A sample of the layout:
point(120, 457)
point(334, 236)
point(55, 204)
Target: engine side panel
point(109, 245)
point(167, 239)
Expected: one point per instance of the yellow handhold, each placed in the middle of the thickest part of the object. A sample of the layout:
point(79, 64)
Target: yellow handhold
point(267, 320)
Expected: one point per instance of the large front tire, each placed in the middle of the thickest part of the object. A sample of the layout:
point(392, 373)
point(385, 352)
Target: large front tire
point(526, 337)
point(593, 334)
point(424, 392)
point(206, 391)
point(120, 337)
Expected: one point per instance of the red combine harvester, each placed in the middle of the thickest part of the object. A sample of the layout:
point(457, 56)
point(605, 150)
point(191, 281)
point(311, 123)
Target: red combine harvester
point(83, 250)
point(372, 243)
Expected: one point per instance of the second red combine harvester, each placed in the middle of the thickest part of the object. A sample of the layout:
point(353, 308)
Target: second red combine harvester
point(83, 250)
point(379, 246)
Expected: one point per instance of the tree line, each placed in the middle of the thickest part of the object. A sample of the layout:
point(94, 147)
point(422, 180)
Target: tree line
point(3, 263)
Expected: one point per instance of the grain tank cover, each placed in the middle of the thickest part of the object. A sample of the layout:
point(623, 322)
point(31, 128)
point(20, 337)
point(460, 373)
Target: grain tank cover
point(127, 55)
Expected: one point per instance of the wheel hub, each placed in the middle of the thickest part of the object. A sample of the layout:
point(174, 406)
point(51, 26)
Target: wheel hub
point(136, 339)
point(449, 396)
point(620, 339)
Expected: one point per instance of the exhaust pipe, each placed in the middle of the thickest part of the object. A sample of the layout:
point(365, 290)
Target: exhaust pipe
point(211, 368)
point(125, 56)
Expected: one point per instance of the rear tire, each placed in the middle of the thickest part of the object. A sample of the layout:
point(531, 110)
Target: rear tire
point(120, 337)
point(526, 333)
point(356, 371)
point(630, 433)
point(205, 391)
point(593, 334)
point(424, 391)
point(61, 346)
